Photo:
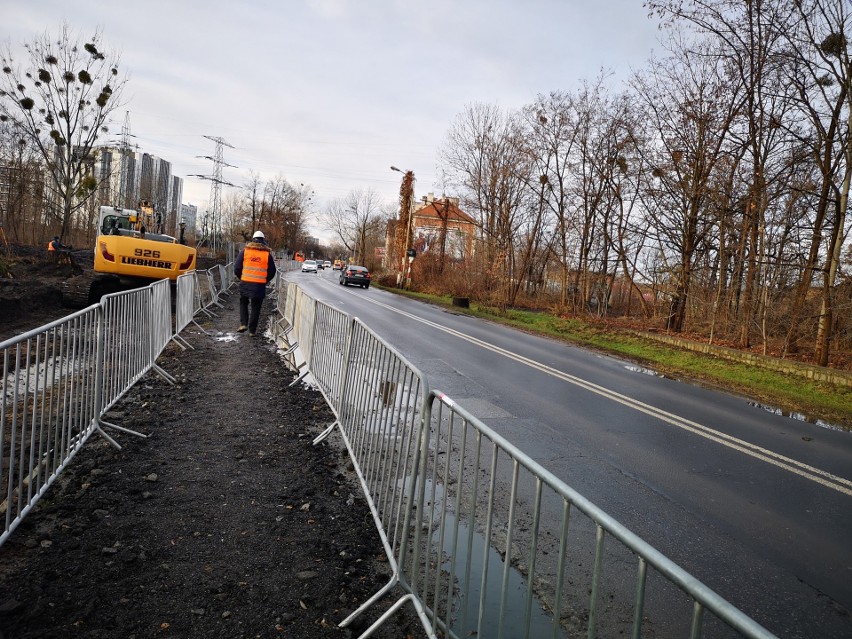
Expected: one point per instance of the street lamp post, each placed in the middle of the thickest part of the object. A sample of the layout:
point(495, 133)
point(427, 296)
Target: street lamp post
point(406, 194)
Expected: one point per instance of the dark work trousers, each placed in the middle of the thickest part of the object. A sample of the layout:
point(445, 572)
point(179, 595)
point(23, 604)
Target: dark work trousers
point(245, 318)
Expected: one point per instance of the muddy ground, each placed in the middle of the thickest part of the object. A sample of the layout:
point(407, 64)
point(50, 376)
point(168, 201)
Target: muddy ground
point(225, 521)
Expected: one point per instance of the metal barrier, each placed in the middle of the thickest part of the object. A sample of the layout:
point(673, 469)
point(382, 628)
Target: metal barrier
point(379, 412)
point(485, 507)
point(477, 533)
point(203, 295)
point(161, 317)
point(185, 298)
point(50, 377)
point(131, 340)
point(328, 355)
point(60, 380)
point(211, 286)
point(225, 279)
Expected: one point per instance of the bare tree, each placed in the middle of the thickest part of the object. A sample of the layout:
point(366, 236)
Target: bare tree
point(354, 220)
point(596, 174)
point(276, 207)
point(287, 207)
point(552, 133)
point(821, 72)
point(481, 159)
point(20, 206)
point(62, 102)
point(254, 202)
point(690, 106)
point(749, 37)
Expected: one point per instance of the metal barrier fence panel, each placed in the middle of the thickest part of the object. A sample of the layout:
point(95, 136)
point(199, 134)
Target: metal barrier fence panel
point(211, 274)
point(204, 293)
point(380, 416)
point(282, 288)
point(331, 333)
point(304, 323)
point(184, 301)
point(498, 538)
point(290, 303)
point(48, 407)
point(224, 277)
point(128, 337)
point(161, 317)
point(198, 302)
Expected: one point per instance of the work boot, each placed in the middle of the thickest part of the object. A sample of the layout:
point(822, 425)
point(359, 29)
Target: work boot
point(252, 333)
point(242, 328)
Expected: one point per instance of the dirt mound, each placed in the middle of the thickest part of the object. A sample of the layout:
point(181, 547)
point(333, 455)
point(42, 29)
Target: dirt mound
point(31, 291)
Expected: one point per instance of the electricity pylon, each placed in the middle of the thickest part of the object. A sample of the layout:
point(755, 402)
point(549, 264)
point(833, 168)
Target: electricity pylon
point(216, 183)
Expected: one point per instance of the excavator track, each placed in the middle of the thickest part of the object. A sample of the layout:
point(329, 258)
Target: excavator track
point(76, 290)
point(82, 290)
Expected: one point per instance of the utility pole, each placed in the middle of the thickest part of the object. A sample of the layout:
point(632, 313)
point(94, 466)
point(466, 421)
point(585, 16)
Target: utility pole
point(216, 183)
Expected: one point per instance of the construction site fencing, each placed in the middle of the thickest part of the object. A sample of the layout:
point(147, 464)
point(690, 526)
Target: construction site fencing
point(226, 276)
point(499, 539)
point(61, 379)
point(212, 288)
point(483, 539)
point(50, 377)
point(185, 301)
point(204, 294)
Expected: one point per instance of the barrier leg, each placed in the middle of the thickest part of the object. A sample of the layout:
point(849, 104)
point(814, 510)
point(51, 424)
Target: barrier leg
point(98, 427)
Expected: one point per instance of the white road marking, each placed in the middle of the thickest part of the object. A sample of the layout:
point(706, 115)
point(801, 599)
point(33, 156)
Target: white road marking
point(806, 471)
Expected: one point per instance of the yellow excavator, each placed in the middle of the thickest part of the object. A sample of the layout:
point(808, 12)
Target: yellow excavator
point(130, 251)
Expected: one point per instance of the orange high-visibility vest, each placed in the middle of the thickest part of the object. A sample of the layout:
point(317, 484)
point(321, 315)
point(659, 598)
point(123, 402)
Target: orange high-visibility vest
point(255, 265)
point(50, 246)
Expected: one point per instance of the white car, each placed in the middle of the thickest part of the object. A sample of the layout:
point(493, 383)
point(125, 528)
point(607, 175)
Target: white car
point(309, 266)
point(326, 264)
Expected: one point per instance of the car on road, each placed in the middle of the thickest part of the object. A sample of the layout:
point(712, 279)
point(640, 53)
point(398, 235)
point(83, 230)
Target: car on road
point(338, 265)
point(326, 264)
point(309, 266)
point(353, 274)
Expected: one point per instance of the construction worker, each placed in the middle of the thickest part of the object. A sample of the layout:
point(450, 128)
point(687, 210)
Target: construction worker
point(255, 268)
point(58, 252)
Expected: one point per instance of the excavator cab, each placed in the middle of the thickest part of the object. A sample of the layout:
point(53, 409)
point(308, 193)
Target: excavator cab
point(129, 252)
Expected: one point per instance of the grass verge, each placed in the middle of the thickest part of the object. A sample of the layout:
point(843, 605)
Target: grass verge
point(787, 393)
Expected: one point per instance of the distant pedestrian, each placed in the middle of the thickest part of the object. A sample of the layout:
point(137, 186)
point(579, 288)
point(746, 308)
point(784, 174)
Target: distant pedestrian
point(255, 268)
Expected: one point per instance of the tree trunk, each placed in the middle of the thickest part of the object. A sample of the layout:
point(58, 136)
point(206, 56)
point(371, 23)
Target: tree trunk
point(827, 305)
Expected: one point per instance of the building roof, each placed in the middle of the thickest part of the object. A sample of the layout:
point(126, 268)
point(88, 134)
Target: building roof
point(444, 208)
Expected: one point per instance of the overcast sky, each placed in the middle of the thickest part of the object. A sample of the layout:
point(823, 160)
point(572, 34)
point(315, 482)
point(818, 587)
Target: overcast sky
point(331, 93)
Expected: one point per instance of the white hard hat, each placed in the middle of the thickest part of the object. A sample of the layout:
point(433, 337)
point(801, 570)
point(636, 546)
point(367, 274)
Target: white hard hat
point(258, 235)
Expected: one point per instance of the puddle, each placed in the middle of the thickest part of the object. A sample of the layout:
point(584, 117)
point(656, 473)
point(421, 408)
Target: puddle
point(467, 556)
point(801, 417)
point(466, 605)
point(644, 371)
point(809, 419)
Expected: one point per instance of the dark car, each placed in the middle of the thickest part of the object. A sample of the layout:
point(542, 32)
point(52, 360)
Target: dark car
point(355, 275)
